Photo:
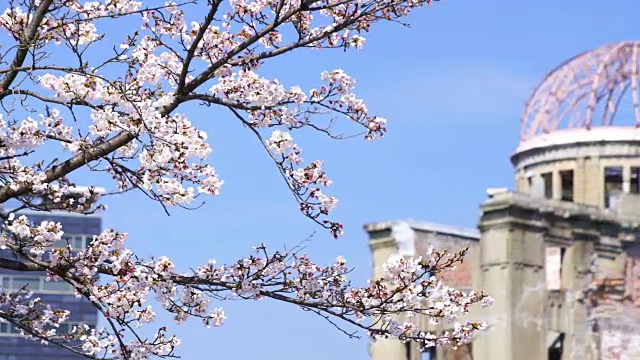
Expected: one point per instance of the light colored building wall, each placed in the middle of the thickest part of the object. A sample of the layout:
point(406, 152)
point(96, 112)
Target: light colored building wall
point(413, 238)
point(527, 315)
point(511, 269)
point(511, 258)
point(382, 246)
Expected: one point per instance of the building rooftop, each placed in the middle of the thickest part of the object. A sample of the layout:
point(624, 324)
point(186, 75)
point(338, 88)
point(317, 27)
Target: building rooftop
point(577, 136)
point(426, 226)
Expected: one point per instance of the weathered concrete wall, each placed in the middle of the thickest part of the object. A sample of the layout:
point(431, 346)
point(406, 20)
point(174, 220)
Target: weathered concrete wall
point(587, 159)
point(383, 245)
point(511, 268)
point(510, 262)
point(515, 228)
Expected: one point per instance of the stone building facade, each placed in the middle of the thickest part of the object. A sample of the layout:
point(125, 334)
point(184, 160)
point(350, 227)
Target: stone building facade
point(560, 253)
point(561, 260)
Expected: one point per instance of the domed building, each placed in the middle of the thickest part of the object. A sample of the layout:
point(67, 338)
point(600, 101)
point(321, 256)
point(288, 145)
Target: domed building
point(560, 253)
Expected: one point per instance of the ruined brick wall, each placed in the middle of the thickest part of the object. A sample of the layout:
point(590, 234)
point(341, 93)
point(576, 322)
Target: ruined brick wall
point(463, 352)
point(618, 345)
point(620, 336)
point(632, 275)
point(460, 277)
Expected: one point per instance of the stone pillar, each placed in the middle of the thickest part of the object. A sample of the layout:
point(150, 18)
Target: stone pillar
point(522, 182)
point(626, 179)
point(593, 182)
point(537, 186)
point(511, 270)
point(579, 184)
point(381, 248)
point(557, 185)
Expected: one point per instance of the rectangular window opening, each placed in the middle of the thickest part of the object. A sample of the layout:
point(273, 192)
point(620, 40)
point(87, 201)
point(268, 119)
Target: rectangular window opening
point(547, 179)
point(407, 349)
point(556, 347)
point(612, 184)
point(634, 182)
point(77, 242)
point(554, 257)
point(37, 284)
point(27, 282)
point(57, 286)
point(5, 328)
point(428, 354)
point(566, 181)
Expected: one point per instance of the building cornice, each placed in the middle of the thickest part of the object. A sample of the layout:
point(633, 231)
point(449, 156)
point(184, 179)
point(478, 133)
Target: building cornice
point(423, 226)
point(583, 222)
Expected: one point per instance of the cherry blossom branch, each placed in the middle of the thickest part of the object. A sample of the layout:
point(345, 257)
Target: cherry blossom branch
point(25, 42)
point(114, 111)
point(304, 284)
point(196, 42)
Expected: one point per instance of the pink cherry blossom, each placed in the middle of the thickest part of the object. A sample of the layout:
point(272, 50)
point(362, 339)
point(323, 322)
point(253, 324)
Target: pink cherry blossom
point(113, 105)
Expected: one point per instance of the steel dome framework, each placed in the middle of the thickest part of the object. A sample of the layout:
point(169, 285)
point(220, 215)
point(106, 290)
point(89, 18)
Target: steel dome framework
point(587, 90)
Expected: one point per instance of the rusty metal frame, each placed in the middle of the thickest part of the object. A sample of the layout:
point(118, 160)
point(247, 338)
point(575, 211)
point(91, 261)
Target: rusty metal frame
point(585, 91)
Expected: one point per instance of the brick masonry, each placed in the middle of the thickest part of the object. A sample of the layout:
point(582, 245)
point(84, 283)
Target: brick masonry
point(632, 276)
point(460, 277)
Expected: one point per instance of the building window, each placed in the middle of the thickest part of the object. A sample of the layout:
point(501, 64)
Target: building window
point(612, 184)
point(407, 349)
point(77, 242)
point(555, 349)
point(56, 287)
point(635, 180)
point(9, 329)
point(5, 328)
point(547, 179)
point(36, 284)
point(553, 267)
point(64, 328)
point(26, 282)
point(428, 354)
point(566, 181)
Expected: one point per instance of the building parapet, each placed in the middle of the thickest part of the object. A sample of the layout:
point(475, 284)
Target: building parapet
point(562, 210)
point(423, 226)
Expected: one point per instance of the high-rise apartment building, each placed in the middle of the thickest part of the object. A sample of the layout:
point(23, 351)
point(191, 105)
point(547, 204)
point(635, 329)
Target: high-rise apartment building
point(79, 231)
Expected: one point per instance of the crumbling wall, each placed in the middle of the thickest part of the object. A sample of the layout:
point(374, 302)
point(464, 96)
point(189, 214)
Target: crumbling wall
point(632, 275)
point(460, 277)
point(620, 335)
point(461, 353)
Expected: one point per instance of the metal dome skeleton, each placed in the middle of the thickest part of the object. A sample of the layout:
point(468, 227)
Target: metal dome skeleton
point(585, 91)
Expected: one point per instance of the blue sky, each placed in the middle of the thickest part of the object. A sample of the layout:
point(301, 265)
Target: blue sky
point(452, 86)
